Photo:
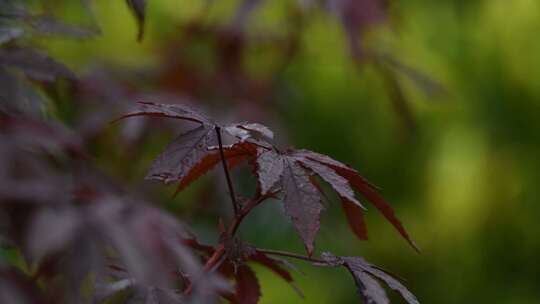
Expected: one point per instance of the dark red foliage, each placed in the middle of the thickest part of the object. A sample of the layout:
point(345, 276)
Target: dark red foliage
point(65, 221)
point(193, 153)
point(367, 276)
point(363, 186)
point(69, 222)
point(355, 218)
point(169, 111)
point(269, 169)
point(238, 254)
point(234, 155)
point(302, 202)
point(338, 183)
point(273, 265)
point(290, 172)
point(247, 287)
point(188, 151)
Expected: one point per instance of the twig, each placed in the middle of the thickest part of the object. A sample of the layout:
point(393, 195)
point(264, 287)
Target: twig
point(245, 211)
point(217, 257)
point(227, 175)
point(291, 255)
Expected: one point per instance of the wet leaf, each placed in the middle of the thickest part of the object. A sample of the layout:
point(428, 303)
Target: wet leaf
point(182, 155)
point(363, 186)
point(355, 218)
point(248, 290)
point(269, 169)
point(338, 183)
point(175, 111)
point(302, 202)
point(366, 276)
point(234, 155)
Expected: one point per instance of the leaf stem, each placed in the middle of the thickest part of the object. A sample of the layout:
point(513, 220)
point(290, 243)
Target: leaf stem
point(226, 170)
point(245, 211)
point(291, 255)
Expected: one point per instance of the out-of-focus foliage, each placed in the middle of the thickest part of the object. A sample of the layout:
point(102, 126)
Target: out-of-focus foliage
point(459, 160)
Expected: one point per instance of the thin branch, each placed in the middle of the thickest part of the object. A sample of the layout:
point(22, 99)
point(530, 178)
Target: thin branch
point(245, 211)
point(218, 264)
point(227, 175)
point(217, 257)
point(214, 258)
point(291, 255)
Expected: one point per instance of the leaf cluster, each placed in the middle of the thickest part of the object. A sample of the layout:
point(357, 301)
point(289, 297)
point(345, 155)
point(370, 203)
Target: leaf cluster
point(69, 226)
point(287, 174)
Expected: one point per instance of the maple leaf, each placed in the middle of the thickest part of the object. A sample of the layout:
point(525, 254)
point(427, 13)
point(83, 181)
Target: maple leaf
point(302, 201)
point(363, 186)
point(272, 264)
point(183, 154)
point(254, 133)
point(196, 151)
point(379, 202)
point(293, 171)
point(324, 159)
point(355, 218)
point(366, 277)
point(257, 130)
point(248, 290)
point(352, 207)
point(234, 155)
point(168, 111)
point(338, 183)
point(275, 266)
point(269, 169)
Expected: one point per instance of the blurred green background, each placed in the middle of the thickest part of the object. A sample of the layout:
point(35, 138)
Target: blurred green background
point(464, 181)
